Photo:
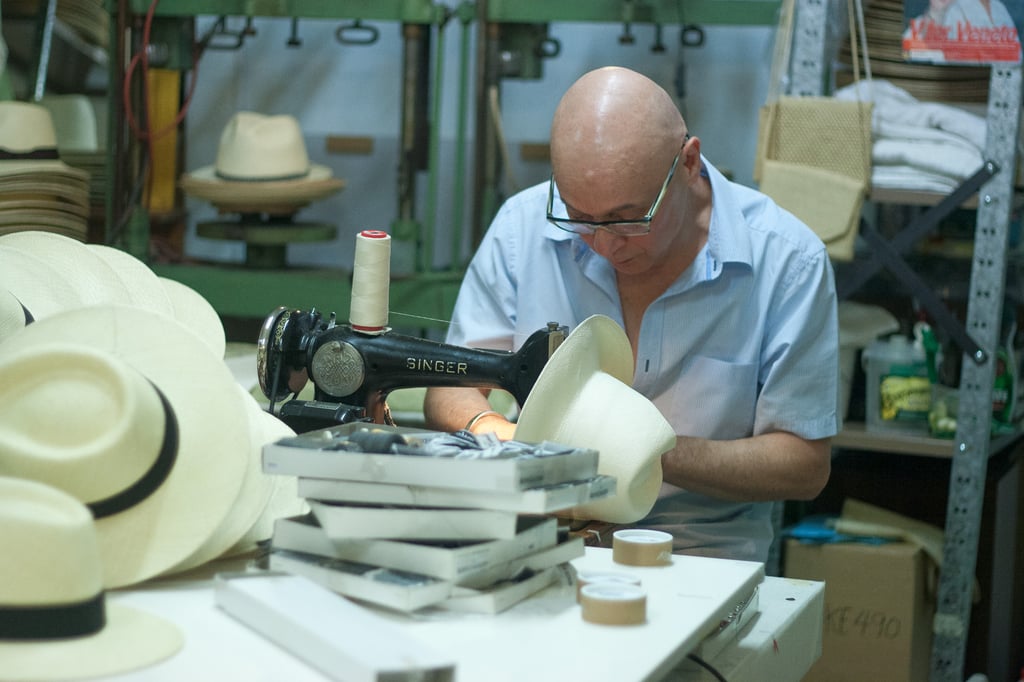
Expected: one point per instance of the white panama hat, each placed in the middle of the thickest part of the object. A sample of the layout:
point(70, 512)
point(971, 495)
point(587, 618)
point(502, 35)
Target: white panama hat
point(74, 121)
point(93, 280)
point(583, 398)
point(257, 487)
point(261, 160)
point(55, 620)
point(283, 500)
point(143, 284)
point(28, 140)
point(196, 313)
point(89, 395)
point(51, 273)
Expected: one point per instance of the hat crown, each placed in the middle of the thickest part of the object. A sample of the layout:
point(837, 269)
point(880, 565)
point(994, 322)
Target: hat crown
point(25, 127)
point(78, 419)
point(256, 147)
point(51, 552)
point(74, 122)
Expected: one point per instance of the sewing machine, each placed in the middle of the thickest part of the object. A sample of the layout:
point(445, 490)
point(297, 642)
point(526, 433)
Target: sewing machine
point(353, 372)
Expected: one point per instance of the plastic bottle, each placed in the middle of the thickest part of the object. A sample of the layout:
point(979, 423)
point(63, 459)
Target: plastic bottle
point(898, 392)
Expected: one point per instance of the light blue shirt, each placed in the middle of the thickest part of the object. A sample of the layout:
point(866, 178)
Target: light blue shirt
point(744, 342)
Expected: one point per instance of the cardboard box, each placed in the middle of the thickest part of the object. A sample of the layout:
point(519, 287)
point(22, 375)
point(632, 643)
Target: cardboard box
point(878, 609)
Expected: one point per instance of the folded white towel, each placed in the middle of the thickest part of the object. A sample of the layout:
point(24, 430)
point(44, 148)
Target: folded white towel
point(952, 161)
point(895, 105)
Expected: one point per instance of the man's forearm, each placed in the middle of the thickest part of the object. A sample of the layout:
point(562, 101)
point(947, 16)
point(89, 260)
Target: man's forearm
point(772, 466)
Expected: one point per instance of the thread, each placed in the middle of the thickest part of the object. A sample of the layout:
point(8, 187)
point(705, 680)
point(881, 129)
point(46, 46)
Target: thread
point(638, 547)
point(371, 280)
point(609, 603)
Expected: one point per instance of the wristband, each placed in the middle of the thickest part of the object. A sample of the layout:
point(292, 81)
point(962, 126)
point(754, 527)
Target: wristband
point(472, 422)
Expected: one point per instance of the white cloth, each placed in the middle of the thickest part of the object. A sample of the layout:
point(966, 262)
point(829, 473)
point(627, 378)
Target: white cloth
point(943, 143)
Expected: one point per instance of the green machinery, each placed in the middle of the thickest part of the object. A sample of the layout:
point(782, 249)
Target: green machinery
point(512, 40)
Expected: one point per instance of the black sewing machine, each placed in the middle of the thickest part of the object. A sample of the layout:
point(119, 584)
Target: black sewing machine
point(353, 372)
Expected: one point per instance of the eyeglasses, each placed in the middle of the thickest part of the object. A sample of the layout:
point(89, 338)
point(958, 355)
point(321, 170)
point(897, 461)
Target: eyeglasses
point(622, 228)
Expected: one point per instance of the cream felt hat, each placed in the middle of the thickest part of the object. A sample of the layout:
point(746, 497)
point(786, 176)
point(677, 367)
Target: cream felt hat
point(583, 398)
point(55, 620)
point(129, 412)
point(261, 160)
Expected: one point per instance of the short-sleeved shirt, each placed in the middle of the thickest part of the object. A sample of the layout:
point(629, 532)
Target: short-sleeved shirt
point(744, 342)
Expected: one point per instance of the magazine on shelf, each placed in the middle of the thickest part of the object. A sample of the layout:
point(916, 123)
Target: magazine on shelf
point(540, 500)
point(962, 31)
point(400, 590)
point(347, 521)
point(465, 563)
point(430, 458)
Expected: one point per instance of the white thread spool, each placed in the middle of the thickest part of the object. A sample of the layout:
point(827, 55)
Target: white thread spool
point(371, 280)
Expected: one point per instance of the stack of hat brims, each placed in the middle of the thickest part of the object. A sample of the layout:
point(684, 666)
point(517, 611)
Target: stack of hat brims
point(78, 131)
point(115, 390)
point(38, 190)
point(884, 22)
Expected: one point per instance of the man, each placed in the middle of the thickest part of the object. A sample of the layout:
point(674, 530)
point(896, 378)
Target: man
point(727, 300)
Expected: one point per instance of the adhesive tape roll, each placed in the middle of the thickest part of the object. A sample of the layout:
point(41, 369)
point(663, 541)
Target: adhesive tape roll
point(637, 547)
point(584, 578)
point(609, 603)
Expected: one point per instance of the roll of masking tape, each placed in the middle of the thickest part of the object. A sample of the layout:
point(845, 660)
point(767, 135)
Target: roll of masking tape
point(609, 603)
point(639, 547)
point(586, 577)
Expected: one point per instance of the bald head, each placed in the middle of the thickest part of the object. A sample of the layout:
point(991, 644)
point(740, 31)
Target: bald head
point(614, 120)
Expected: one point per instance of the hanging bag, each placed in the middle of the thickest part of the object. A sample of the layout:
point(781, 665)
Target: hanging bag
point(814, 153)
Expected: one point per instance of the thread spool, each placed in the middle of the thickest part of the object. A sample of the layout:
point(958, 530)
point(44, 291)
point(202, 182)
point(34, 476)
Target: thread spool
point(639, 547)
point(608, 603)
point(371, 280)
point(584, 578)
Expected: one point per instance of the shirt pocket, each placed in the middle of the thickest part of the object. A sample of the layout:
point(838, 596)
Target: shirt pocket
point(715, 399)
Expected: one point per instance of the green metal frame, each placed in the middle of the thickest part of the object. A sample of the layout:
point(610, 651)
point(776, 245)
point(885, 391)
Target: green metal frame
point(737, 12)
point(427, 295)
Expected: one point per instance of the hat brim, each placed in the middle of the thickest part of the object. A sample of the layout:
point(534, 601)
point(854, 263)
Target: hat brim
point(196, 313)
point(596, 358)
point(144, 287)
point(204, 184)
point(131, 639)
point(252, 499)
point(40, 288)
point(213, 451)
point(92, 279)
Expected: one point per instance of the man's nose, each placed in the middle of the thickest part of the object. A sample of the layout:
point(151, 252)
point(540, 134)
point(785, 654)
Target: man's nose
point(606, 242)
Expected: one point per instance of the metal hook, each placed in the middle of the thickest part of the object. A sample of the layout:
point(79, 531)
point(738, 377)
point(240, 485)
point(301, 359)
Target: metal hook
point(356, 34)
point(219, 29)
point(293, 39)
point(691, 35)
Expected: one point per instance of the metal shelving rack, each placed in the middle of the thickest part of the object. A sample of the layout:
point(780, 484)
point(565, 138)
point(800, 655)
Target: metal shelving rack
point(972, 446)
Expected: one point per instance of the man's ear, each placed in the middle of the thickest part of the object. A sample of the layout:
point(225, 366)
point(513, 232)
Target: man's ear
point(690, 160)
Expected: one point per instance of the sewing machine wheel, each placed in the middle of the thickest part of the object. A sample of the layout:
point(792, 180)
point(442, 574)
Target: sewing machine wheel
point(276, 378)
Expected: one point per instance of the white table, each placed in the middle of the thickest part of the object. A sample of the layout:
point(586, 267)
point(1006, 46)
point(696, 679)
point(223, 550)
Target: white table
point(542, 638)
